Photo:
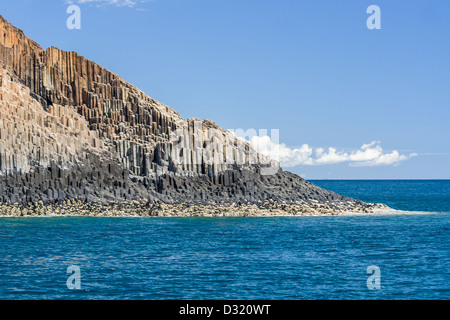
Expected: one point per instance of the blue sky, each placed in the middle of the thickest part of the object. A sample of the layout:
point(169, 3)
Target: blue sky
point(311, 69)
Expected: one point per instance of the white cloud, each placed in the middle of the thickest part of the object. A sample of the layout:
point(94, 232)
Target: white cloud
point(368, 155)
point(117, 3)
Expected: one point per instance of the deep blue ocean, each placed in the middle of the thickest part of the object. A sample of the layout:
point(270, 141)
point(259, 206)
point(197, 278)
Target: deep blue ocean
point(239, 258)
point(409, 195)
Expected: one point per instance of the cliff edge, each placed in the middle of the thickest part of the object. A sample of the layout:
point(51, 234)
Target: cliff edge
point(72, 130)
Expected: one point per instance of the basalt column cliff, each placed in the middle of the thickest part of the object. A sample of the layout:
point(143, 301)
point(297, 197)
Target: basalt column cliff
point(70, 129)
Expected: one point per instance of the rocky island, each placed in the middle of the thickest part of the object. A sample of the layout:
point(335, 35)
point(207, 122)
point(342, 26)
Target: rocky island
point(76, 139)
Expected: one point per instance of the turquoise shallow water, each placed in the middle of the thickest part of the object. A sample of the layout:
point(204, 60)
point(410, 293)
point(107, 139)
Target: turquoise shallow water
point(226, 258)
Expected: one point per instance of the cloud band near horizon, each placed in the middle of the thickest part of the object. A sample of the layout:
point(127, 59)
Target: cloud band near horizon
point(369, 155)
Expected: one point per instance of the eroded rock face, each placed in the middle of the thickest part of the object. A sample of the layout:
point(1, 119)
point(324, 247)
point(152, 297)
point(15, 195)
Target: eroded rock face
point(70, 128)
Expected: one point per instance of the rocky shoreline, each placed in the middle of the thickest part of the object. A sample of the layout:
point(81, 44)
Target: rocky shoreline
point(77, 139)
point(155, 209)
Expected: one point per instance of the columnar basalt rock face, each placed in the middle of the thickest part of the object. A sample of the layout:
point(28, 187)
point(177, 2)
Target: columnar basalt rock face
point(138, 126)
point(70, 128)
point(31, 136)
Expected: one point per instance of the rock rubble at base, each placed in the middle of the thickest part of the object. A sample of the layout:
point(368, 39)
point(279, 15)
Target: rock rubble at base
point(154, 209)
